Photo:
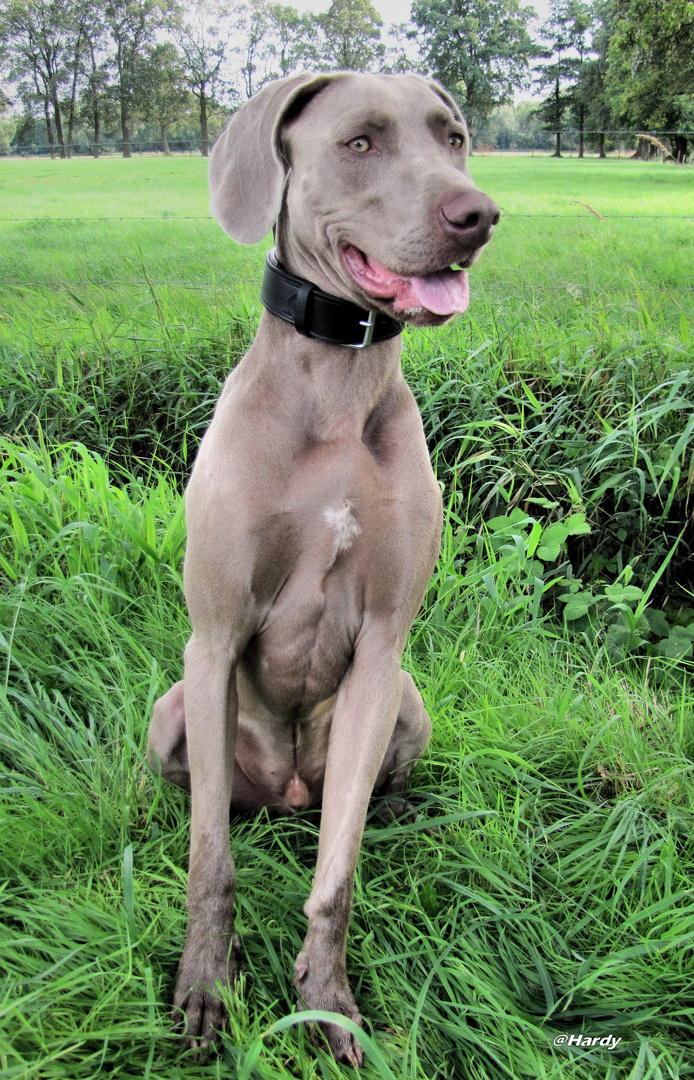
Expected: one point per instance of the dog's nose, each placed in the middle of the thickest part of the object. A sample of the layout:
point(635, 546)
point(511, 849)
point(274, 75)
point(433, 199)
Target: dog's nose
point(472, 216)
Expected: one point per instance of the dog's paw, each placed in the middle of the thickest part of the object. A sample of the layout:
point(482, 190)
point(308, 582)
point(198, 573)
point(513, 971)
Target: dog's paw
point(199, 1017)
point(199, 1013)
point(331, 995)
point(392, 809)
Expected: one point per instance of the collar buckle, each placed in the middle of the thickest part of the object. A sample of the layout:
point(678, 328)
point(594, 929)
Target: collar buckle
point(368, 325)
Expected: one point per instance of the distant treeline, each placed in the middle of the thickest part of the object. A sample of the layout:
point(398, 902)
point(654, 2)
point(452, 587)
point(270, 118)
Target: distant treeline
point(123, 76)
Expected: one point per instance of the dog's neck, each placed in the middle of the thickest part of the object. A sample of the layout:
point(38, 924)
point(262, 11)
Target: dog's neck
point(314, 264)
point(323, 386)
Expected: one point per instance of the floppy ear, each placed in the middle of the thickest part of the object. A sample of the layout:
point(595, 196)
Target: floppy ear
point(247, 173)
point(447, 99)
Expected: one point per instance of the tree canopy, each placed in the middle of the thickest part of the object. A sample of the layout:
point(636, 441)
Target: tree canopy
point(568, 33)
point(351, 36)
point(79, 67)
point(479, 49)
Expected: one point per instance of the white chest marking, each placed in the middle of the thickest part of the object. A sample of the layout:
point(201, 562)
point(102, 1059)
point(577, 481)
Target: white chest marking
point(344, 525)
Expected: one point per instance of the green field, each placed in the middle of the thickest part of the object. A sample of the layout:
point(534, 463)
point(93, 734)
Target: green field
point(554, 650)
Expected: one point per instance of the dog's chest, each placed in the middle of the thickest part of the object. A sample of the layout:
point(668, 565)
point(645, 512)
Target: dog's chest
point(305, 646)
point(351, 539)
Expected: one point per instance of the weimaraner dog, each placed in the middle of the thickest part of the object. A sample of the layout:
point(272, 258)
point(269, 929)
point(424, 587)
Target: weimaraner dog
point(313, 513)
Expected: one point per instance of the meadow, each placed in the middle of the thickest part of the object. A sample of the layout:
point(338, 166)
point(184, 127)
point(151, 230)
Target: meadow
point(545, 890)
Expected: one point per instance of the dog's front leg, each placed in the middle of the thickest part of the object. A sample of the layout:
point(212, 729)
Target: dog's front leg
point(365, 714)
point(211, 710)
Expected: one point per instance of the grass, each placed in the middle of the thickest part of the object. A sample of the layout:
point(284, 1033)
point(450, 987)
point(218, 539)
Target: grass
point(557, 264)
point(555, 897)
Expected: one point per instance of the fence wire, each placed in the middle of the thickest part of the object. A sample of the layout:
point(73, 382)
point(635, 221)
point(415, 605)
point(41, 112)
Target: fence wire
point(111, 283)
point(154, 145)
point(206, 217)
point(220, 286)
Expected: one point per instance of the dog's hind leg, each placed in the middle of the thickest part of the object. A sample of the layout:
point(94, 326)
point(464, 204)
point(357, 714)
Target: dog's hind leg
point(167, 755)
point(167, 748)
point(409, 741)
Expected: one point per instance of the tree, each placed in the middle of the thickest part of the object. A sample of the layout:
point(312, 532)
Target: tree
point(73, 71)
point(252, 27)
point(132, 25)
point(479, 49)
point(567, 31)
point(205, 42)
point(161, 92)
point(8, 125)
point(553, 108)
point(96, 100)
point(592, 101)
point(651, 72)
point(35, 36)
point(291, 39)
point(513, 127)
point(401, 52)
point(272, 41)
point(351, 36)
point(592, 91)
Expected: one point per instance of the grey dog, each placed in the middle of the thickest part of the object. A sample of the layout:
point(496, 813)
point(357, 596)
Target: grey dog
point(313, 514)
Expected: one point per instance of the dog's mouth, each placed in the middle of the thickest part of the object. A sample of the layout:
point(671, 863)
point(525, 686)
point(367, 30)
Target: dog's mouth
point(445, 292)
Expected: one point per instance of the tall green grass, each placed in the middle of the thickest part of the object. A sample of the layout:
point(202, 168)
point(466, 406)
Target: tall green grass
point(554, 896)
point(545, 887)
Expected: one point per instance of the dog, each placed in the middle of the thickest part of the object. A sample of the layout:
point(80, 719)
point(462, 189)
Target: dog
point(313, 514)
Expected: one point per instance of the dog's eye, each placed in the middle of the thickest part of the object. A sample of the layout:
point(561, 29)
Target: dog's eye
point(456, 140)
point(360, 145)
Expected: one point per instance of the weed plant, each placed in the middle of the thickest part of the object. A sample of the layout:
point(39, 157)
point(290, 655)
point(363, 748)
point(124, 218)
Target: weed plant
point(545, 887)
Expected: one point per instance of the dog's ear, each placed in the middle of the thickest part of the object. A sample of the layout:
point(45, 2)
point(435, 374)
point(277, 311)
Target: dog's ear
point(447, 100)
point(247, 172)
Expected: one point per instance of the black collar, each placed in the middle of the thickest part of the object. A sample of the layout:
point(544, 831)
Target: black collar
point(317, 314)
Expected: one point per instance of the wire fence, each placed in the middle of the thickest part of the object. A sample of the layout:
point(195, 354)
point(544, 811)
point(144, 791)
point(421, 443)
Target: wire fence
point(502, 141)
point(166, 217)
point(220, 286)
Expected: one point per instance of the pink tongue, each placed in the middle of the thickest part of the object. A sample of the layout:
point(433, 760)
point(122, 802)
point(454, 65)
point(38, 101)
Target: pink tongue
point(445, 293)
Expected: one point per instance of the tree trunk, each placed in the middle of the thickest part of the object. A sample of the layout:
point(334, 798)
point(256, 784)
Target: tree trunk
point(97, 131)
point(73, 97)
point(125, 127)
point(602, 144)
point(558, 111)
point(49, 126)
point(642, 151)
point(43, 94)
point(58, 121)
point(164, 141)
point(96, 113)
point(123, 96)
point(581, 124)
point(203, 123)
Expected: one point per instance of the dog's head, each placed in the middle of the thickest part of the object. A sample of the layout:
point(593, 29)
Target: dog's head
point(366, 177)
